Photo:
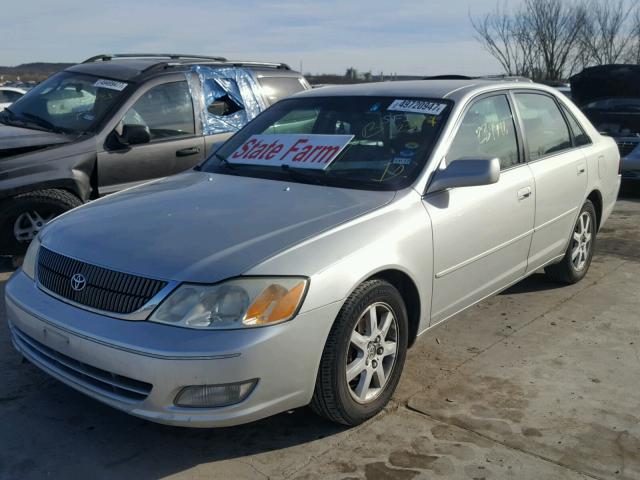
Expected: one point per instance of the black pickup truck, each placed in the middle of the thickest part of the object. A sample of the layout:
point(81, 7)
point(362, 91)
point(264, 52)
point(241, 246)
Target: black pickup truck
point(114, 121)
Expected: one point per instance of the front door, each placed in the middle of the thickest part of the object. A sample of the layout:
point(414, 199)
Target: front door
point(482, 234)
point(167, 109)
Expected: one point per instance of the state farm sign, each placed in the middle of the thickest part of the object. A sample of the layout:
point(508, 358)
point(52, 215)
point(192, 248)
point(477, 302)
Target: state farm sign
point(300, 151)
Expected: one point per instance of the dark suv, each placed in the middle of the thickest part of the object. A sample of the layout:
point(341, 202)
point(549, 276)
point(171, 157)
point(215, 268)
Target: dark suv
point(114, 121)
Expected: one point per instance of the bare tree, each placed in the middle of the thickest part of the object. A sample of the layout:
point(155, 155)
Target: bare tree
point(494, 31)
point(608, 33)
point(556, 26)
point(549, 39)
point(633, 52)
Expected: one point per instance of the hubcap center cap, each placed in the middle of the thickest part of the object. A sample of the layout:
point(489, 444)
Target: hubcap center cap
point(371, 350)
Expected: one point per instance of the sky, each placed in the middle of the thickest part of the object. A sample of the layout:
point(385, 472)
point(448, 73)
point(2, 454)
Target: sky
point(392, 36)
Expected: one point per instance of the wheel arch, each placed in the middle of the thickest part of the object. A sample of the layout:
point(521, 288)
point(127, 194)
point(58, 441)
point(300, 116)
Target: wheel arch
point(410, 294)
point(596, 198)
point(68, 185)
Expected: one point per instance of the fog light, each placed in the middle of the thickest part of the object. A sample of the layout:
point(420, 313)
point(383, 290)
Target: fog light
point(210, 396)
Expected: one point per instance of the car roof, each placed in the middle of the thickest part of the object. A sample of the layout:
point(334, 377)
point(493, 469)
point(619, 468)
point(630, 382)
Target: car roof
point(451, 89)
point(131, 67)
point(13, 89)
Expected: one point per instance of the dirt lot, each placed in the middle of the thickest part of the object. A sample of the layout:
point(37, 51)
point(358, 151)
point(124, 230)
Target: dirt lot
point(540, 382)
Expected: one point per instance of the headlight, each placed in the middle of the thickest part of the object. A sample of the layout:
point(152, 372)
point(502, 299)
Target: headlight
point(30, 259)
point(243, 302)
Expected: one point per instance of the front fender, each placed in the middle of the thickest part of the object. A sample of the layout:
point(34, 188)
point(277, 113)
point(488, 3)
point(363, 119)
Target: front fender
point(394, 237)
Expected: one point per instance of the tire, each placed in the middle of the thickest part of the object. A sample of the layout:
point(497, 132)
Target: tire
point(27, 213)
point(574, 266)
point(336, 399)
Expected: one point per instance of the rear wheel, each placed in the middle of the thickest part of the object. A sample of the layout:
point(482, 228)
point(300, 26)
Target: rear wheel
point(23, 216)
point(577, 259)
point(364, 355)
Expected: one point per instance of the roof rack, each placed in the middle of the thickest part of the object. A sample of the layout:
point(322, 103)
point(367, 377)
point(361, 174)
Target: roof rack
point(172, 56)
point(510, 78)
point(281, 66)
point(449, 77)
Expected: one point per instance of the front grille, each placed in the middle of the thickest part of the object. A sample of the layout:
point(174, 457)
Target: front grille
point(105, 289)
point(626, 148)
point(101, 381)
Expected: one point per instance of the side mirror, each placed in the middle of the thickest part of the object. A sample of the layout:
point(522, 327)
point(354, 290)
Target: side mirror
point(466, 173)
point(135, 134)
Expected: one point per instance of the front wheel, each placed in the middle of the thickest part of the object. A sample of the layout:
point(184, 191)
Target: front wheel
point(575, 263)
point(364, 355)
point(23, 216)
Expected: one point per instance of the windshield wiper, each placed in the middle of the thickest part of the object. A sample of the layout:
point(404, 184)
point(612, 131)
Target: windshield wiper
point(28, 119)
point(6, 114)
point(42, 122)
point(304, 175)
point(225, 162)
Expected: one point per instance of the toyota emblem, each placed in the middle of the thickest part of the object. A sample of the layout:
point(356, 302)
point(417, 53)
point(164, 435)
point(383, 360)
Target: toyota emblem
point(78, 282)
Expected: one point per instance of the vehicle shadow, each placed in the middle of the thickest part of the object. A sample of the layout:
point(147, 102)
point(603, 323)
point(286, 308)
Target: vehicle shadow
point(107, 443)
point(49, 428)
point(535, 283)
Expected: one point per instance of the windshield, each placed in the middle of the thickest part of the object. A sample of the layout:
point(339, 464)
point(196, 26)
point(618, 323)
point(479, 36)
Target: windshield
point(377, 143)
point(620, 104)
point(66, 102)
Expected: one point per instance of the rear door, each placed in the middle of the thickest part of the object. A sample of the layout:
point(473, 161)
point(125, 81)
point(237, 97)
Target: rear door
point(482, 234)
point(560, 172)
point(176, 142)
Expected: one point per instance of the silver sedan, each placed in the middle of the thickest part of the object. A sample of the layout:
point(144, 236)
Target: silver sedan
point(299, 262)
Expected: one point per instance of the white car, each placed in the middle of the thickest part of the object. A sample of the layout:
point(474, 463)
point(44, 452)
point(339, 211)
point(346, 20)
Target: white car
point(8, 95)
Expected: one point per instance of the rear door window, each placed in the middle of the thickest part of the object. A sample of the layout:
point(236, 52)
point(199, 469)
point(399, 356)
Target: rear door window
point(545, 129)
point(487, 131)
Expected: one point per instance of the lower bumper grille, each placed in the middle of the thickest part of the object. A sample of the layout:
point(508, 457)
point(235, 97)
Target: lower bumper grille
point(101, 381)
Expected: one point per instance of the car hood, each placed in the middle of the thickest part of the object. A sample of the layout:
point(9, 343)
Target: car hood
point(605, 81)
point(202, 227)
point(18, 140)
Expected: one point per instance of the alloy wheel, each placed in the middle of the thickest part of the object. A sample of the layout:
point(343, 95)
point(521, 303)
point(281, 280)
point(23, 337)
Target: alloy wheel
point(581, 241)
point(372, 352)
point(28, 224)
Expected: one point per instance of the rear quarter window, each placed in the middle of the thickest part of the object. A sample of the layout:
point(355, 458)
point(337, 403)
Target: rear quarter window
point(277, 88)
point(580, 138)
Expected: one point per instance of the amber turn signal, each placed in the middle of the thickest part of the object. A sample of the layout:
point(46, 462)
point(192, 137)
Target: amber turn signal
point(275, 304)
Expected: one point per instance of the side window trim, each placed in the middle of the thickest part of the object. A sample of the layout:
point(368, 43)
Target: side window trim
point(518, 114)
point(517, 129)
point(567, 114)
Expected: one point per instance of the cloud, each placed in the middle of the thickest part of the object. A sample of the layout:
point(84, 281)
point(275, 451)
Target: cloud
point(403, 36)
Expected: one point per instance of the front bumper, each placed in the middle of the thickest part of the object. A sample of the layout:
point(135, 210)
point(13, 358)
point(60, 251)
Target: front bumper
point(139, 367)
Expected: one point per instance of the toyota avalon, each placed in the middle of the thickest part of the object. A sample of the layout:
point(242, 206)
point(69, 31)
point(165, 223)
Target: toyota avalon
point(299, 262)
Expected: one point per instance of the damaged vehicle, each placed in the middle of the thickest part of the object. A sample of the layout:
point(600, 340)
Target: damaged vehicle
point(299, 263)
point(115, 121)
point(609, 95)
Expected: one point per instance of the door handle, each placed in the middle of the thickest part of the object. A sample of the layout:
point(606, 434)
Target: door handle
point(524, 193)
point(582, 168)
point(185, 152)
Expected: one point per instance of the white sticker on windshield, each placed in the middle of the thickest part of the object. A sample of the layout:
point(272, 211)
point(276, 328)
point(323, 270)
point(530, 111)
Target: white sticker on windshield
point(110, 84)
point(417, 106)
point(300, 151)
